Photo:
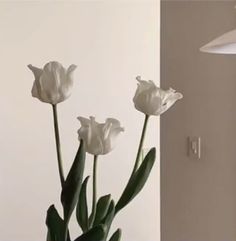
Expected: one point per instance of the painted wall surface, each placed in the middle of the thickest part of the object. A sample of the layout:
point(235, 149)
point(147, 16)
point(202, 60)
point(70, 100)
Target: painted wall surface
point(111, 42)
point(198, 196)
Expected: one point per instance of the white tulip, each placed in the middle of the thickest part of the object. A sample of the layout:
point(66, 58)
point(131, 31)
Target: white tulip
point(99, 138)
point(152, 100)
point(53, 84)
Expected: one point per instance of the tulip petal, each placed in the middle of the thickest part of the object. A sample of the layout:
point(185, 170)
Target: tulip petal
point(148, 102)
point(36, 89)
point(50, 81)
point(71, 69)
point(36, 71)
point(95, 140)
point(106, 128)
point(142, 86)
point(83, 121)
point(66, 81)
point(111, 135)
point(171, 100)
point(113, 121)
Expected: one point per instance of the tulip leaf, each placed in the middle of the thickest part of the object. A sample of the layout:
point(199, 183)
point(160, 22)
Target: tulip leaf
point(73, 182)
point(56, 226)
point(110, 214)
point(107, 221)
point(102, 209)
point(82, 207)
point(95, 234)
point(137, 180)
point(116, 236)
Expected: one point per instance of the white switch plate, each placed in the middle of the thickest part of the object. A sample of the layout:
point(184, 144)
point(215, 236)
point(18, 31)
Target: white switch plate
point(194, 147)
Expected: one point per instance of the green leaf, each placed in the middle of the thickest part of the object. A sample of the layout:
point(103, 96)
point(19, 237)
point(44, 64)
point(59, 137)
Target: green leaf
point(107, 221)
point(95, 234)
point(110, 215)
point(56, 226)
point(102, 208)
point(73, 182)
point(137, 180)
point(82, 207)
point(116, 236)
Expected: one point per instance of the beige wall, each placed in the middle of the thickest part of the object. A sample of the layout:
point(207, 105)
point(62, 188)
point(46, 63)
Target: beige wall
point(198, 197)
point(111, 42)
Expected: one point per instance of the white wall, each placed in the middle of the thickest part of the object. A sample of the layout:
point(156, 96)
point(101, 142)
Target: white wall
point(198, 197)
point(111, 42)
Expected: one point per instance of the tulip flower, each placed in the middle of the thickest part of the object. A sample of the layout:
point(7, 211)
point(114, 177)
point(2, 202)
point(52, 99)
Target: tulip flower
point(53, 84)
point(152, 100)
point(99, 138)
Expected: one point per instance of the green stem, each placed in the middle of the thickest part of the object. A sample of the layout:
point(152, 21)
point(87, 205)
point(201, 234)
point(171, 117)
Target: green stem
point(58, 145)
point(137, 162)
point(94, 202)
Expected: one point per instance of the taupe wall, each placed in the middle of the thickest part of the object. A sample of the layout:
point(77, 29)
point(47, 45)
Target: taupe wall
point(198, 197)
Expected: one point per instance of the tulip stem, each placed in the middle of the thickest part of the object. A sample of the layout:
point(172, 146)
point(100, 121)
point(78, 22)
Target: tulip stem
point(94, 202)
point(58, 144)
point(137, 162)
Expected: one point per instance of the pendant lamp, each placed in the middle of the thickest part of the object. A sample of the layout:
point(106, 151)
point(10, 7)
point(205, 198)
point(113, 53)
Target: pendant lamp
point(224, 44)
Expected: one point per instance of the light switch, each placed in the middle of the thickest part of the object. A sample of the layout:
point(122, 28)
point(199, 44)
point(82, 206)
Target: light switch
point(194, 147)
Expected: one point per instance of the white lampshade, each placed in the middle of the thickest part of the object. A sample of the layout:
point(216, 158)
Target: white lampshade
point(225, 44)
